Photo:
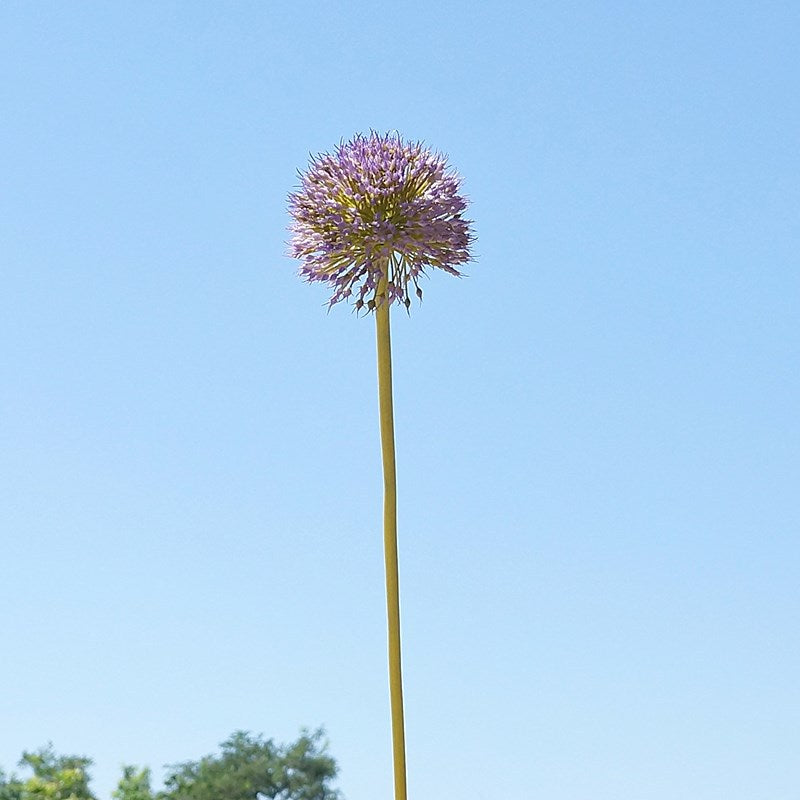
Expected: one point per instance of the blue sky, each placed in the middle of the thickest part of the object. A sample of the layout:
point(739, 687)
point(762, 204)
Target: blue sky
point(597, 430)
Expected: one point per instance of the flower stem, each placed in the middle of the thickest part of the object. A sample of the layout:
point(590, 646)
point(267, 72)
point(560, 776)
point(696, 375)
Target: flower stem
point(390, 535)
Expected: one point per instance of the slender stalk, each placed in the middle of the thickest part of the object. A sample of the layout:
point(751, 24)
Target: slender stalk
point(390, 537)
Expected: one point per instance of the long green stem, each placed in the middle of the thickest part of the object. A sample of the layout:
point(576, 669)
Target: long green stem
point(390, 537)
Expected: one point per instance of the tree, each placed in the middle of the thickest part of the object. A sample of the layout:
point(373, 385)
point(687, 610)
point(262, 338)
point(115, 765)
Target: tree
point(133, 785)
point(250, 768)
point(10, 787)
point(54, 778)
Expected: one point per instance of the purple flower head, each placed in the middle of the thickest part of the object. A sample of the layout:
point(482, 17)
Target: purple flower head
point(378, 207)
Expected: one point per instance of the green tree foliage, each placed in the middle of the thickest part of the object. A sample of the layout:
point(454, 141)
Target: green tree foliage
point(54, 778)
point(250, 768)
point(247, 768)
point(10, 787)
point(133, 785)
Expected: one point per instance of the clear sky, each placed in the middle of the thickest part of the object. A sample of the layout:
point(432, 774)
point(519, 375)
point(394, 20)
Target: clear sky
point(597, 430)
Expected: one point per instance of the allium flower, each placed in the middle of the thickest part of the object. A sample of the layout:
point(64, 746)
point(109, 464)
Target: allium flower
point(378, 206)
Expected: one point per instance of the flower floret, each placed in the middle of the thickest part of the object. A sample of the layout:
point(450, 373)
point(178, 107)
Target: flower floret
point(378, 208)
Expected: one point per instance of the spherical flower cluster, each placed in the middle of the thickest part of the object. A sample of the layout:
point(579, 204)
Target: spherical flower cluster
point(378, 208)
